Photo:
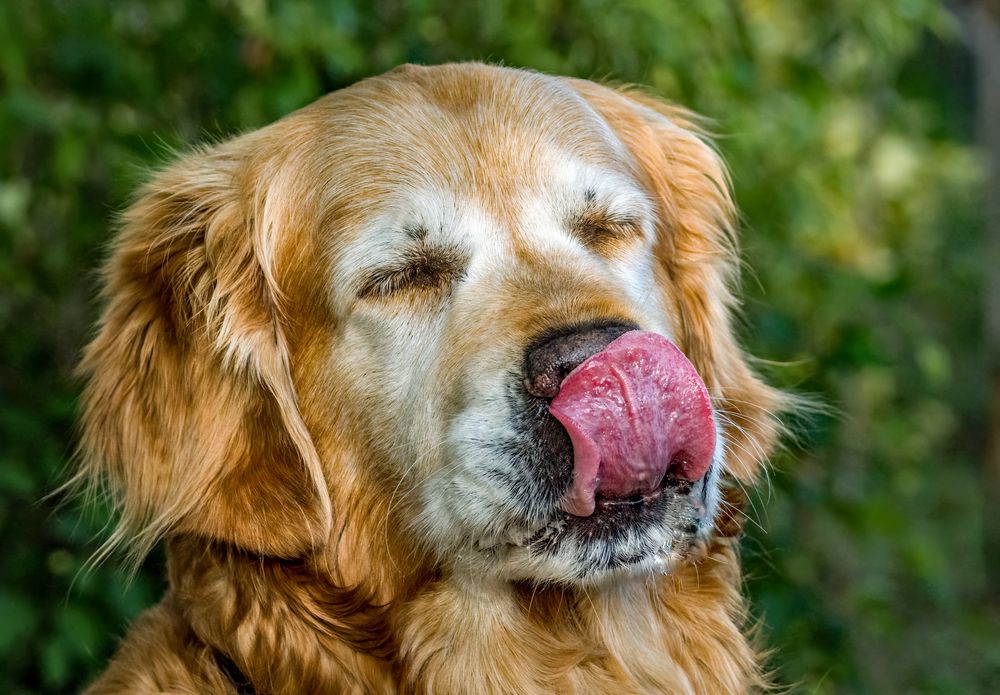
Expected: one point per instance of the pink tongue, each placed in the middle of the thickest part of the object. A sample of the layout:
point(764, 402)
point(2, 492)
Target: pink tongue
point(633, 410)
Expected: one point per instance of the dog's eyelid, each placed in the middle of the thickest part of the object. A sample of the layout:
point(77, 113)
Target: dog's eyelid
point(420, 269)
point(602, 227)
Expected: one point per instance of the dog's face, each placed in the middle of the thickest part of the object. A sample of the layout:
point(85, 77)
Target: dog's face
point(430, 253)
point(493, 229)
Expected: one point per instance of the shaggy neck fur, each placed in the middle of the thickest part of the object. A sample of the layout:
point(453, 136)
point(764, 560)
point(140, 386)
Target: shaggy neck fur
point(295, 626)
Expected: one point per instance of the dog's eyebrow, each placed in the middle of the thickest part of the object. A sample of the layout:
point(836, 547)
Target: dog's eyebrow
point(416, 232)
point(422, 268)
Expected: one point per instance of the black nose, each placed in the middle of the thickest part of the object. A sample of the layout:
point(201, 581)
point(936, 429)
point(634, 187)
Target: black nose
point(556, 353)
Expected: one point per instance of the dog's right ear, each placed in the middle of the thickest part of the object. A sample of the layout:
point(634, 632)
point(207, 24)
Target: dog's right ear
point(190, 421)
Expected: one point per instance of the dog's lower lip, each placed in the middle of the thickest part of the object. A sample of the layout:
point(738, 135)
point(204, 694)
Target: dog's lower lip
point(635, 499)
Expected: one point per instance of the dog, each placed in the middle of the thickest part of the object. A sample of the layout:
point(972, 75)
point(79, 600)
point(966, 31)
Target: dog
point(432, 387)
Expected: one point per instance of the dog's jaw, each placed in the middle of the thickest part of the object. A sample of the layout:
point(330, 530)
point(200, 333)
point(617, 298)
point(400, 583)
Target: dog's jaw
point(494, 505)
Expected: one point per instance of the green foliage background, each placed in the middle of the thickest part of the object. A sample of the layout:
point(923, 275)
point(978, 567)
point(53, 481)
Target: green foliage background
point(848, 128)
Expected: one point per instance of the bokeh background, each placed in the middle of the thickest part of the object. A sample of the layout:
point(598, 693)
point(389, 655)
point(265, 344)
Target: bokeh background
point(851, 131)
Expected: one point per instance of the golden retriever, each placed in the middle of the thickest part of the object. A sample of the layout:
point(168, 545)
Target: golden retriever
point(431, 387)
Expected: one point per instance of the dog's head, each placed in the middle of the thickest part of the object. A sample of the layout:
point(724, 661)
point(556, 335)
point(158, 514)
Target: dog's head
point(481, 310)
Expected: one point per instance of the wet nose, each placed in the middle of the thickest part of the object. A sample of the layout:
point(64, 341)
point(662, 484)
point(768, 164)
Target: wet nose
point(557, 352)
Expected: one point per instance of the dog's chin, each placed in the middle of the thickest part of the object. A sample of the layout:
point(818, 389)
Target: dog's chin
point(645, 535)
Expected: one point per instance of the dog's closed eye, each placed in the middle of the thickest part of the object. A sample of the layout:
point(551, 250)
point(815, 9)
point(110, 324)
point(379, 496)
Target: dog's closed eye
point(605, 232)
point(424, 270)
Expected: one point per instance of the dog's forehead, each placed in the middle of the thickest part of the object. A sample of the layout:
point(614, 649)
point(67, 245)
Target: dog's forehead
point(496, 117)
point(503, 152)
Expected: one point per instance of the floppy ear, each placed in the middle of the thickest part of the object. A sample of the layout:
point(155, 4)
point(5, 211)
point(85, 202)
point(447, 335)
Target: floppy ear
point(697, 253)
point(190, 421)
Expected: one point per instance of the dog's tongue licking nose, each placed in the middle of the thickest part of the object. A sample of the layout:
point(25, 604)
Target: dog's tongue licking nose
point(633, 411)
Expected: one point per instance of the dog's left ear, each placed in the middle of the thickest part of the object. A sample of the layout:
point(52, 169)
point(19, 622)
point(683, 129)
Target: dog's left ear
point(698, 257)
point(190, 419)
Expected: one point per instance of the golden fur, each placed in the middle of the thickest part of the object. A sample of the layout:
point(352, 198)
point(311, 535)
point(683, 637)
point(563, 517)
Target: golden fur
point(226, 413)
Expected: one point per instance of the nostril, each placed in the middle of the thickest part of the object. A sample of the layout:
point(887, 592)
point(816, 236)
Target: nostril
point(554, 354)
point(548, 368)
point(545, 384)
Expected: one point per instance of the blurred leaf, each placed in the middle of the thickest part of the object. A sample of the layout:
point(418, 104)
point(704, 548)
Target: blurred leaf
point(19, 620)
